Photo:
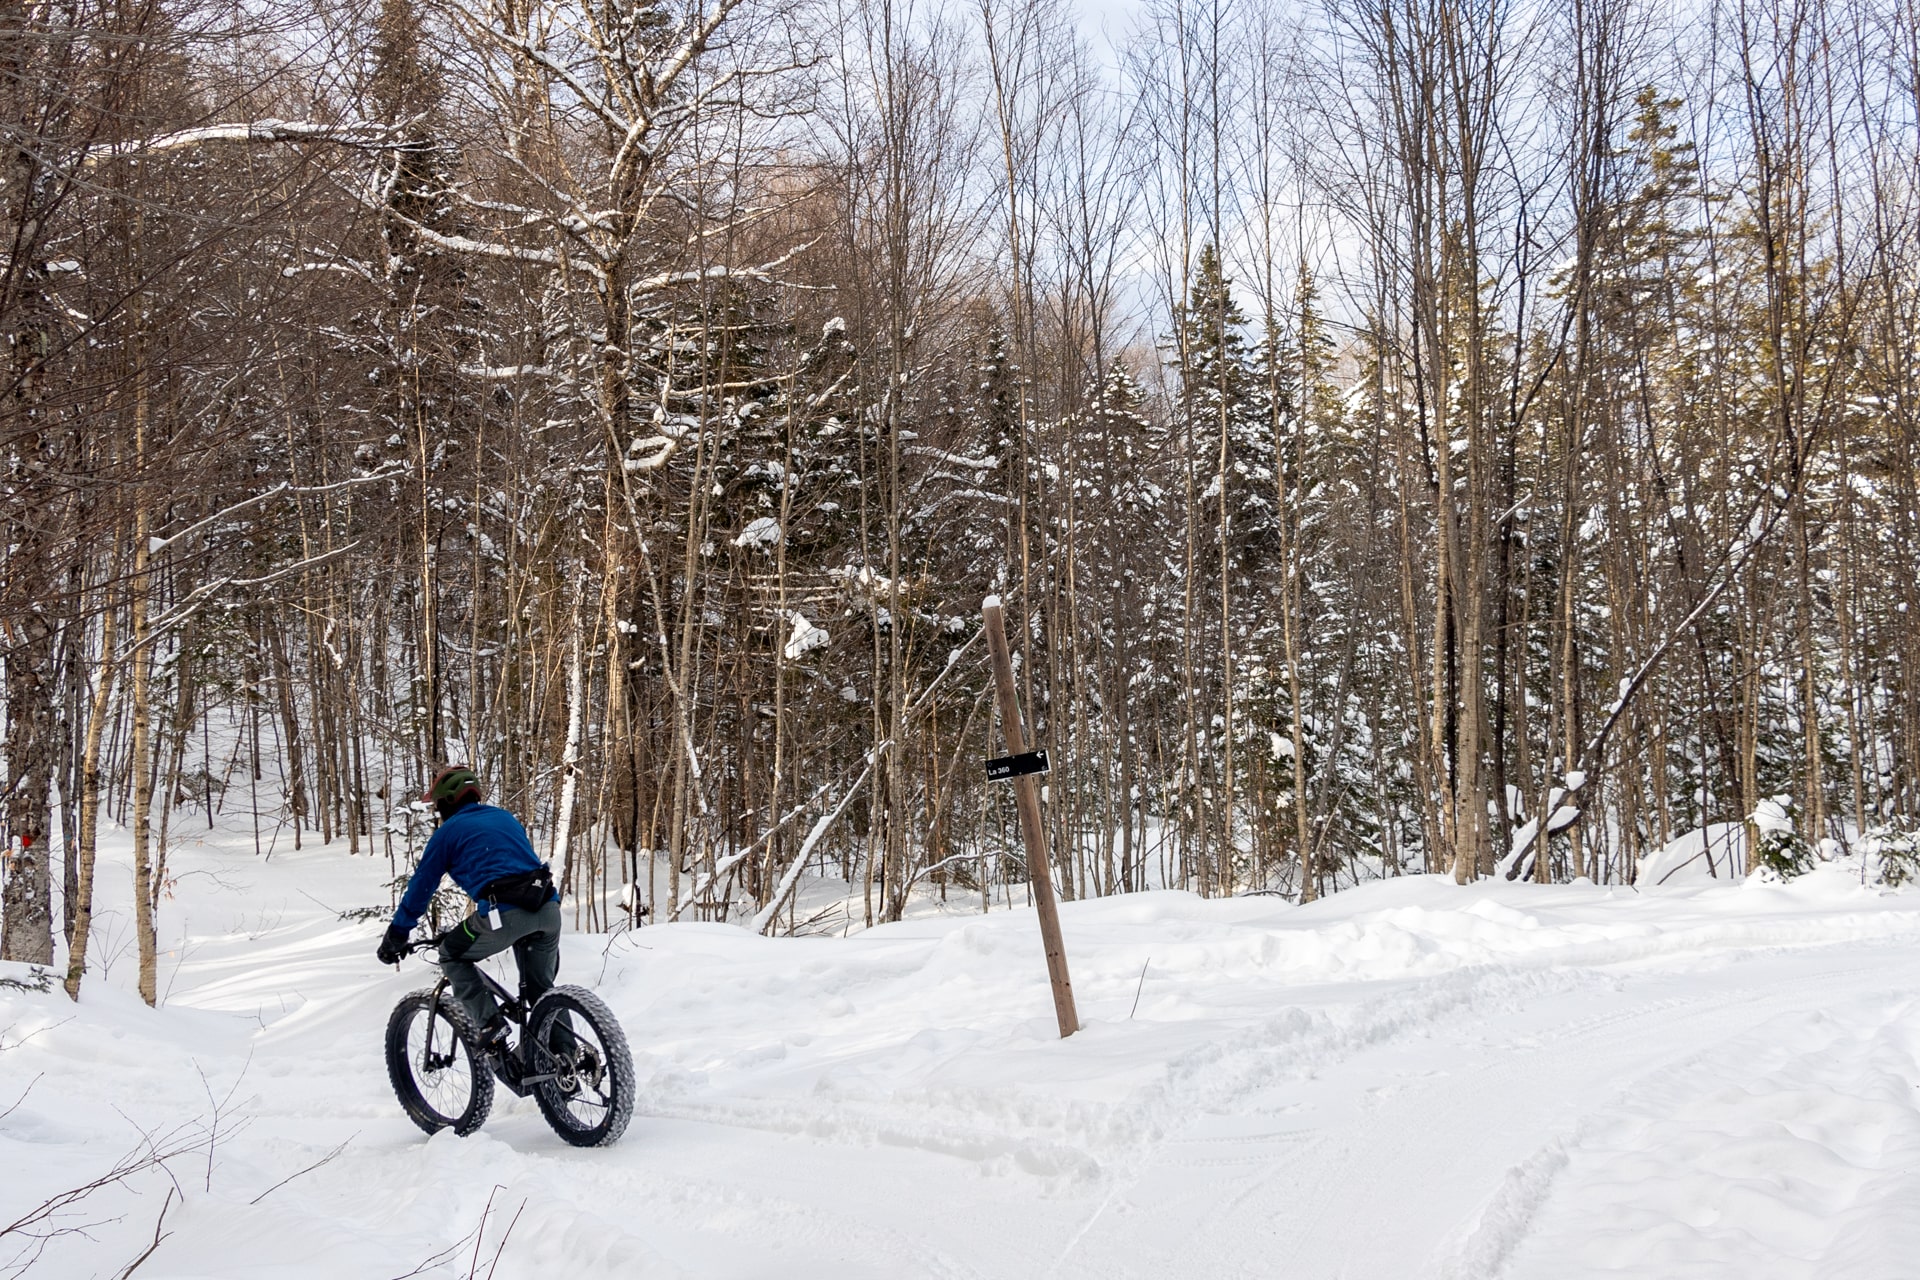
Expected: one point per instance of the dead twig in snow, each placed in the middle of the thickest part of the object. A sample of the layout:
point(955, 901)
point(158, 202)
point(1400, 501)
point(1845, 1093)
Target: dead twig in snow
point(40, 1225)
point(816, 918)
point(480, 1234)
point(324, 1160)
point(606, 952)
point(37, 1031)
point(219, 1110)
point(180, 955)
point(22, 1098)
point(503, 1239)
point(436, 1259)
point(158, 1235)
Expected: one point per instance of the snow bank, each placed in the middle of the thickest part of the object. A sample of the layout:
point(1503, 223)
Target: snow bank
point(1713, 854)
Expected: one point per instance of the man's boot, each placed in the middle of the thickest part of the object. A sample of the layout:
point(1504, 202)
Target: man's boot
point(493, 1037)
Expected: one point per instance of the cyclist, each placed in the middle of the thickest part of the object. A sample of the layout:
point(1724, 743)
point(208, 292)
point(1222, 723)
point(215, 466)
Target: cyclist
point(486, 851)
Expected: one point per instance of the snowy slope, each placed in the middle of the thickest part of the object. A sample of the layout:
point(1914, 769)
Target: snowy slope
point(1411, 1079)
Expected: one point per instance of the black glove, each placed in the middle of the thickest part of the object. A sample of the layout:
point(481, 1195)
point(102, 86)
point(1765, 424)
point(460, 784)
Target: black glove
point(394, 946)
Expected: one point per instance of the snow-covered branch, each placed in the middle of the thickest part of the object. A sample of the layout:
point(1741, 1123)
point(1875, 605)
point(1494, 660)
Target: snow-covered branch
point(719, 271)
point(491, 249)
point(156, 545)
point(767, 914)
point(198, 598)
point(726, 865)
point(663, 82)
point(252, 132)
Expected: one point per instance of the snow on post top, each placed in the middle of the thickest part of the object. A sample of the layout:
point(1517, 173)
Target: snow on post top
point(991, 602)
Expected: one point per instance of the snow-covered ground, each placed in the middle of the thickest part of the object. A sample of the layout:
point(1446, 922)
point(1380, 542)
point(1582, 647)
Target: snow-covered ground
point(1409, 1079)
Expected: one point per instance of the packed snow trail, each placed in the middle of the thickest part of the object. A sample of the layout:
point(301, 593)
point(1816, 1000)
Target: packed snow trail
point(1409, 1079)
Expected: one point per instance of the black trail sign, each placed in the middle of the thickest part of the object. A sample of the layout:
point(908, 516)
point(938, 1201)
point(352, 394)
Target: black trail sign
point(1002, 768)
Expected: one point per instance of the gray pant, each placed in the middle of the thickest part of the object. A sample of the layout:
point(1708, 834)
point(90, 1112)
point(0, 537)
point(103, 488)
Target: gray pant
point(535, 939)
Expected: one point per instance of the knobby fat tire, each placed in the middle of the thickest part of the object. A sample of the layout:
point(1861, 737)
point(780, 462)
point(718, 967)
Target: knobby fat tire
point(552, 1097)
point(400, 1069)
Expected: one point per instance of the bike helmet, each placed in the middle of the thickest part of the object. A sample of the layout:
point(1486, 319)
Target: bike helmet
point(452, 787)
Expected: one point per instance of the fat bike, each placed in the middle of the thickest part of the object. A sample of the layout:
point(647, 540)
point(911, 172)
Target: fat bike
point(567, 1050)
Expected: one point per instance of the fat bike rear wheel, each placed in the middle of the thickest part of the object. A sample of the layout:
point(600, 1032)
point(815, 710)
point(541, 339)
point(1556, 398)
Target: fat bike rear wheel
point(439, 1080)
point(581, 1071)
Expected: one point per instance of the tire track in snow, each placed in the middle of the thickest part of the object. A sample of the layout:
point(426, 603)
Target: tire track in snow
point(1510, 1213)
point(1790, 1150)
point(1313, 1219)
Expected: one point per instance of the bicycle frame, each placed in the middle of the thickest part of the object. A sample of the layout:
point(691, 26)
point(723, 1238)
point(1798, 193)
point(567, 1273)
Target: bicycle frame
point(508, 1069)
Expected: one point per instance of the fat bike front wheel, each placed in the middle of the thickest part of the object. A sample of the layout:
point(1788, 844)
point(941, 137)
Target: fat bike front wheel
point(579, 1066)
point(440, 1082)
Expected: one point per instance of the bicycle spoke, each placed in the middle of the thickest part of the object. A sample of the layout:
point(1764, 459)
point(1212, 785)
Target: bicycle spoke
point(440, 1081)
point(585, 1075)
point(442, 1070)
point(573, 1053)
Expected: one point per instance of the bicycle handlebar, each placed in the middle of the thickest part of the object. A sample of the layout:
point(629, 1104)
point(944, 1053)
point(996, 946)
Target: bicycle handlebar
point(425, 944)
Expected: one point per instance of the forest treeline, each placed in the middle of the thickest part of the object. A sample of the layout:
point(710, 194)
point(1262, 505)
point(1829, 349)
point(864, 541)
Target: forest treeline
point(1389, 422)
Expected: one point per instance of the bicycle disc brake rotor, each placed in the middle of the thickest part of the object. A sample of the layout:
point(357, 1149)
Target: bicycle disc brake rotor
point(580, 1069)
point(440, 1070)
point(577, 1069)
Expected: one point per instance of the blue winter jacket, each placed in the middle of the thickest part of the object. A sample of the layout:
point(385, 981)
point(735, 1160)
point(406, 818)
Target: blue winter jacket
point(476, 846)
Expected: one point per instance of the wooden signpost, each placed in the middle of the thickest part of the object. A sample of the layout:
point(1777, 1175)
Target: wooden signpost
point(1025, 769)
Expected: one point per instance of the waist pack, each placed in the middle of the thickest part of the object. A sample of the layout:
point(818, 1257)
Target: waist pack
point(528, 891)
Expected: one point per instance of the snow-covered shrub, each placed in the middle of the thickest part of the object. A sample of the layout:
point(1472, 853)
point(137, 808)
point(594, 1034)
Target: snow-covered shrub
point(1893, 852)
point(1781, 849)
point(1783, 853)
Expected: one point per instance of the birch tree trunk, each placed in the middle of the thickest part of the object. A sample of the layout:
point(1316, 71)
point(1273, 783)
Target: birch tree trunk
point(141, 660)
point(560, 851)
point(82, 891)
